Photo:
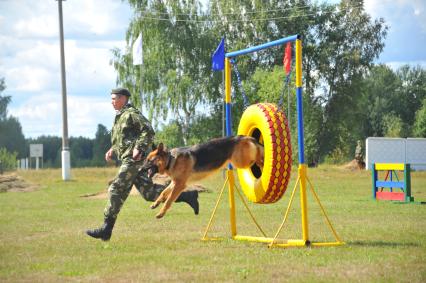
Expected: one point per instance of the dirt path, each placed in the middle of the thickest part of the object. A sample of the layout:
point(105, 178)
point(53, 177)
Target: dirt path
point(352, 166)
point(11, 182)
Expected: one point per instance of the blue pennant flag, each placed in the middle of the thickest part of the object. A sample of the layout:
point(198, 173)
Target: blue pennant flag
point(218, 58)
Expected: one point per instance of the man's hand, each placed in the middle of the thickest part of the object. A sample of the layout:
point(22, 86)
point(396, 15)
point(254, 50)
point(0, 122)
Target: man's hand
point(108, 155)
point(137, 154)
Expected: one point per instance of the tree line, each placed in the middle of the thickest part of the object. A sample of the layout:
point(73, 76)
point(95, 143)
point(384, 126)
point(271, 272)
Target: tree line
point(84, 152)
point(13, 144)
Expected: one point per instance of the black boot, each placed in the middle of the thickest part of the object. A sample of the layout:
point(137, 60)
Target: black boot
point(191, 198)
point(104, 232)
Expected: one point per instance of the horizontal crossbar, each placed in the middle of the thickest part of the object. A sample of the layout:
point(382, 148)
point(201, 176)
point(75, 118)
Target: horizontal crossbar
point(389, 184)
point(279, 242)
point(389, 166)
point(262, 46)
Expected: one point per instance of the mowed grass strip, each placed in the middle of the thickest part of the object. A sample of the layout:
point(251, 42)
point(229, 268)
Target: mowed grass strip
point(42, 235)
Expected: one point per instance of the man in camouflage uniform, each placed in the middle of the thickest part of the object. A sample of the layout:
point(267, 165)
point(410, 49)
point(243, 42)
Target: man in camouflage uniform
point(359, 155)
point(131, 137)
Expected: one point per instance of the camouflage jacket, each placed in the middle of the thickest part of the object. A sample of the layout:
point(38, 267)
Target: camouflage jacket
point(131, 129)
point(358, 152)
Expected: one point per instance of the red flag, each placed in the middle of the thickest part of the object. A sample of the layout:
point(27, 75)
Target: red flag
point(287, 59)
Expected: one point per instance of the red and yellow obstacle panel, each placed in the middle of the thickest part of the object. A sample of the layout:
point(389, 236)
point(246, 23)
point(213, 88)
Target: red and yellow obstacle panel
point(268, 124)
point(391, 182)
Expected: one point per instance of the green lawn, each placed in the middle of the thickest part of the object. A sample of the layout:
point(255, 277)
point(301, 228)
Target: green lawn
point(42, 235)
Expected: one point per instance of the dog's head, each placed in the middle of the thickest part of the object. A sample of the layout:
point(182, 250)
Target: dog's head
point(156, 161)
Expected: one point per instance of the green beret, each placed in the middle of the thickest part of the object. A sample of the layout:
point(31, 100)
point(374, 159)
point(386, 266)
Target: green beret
point(121, 91)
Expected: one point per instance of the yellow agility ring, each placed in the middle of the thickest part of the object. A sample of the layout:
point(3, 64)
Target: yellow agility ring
point(266, 123)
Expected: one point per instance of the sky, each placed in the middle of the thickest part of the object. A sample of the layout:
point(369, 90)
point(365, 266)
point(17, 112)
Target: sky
point(30, 57)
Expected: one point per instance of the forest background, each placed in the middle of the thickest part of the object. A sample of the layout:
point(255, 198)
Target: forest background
point(347, 97)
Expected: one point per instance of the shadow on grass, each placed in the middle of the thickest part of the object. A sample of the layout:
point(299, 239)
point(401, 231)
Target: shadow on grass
point(381, 244)
point(412, 202)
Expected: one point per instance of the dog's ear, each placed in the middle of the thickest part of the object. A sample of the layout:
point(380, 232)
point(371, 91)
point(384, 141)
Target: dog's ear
point(160, 147)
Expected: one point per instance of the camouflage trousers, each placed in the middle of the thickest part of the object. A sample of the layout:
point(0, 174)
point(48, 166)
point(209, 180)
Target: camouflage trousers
point(121, 186)
point(148, 190)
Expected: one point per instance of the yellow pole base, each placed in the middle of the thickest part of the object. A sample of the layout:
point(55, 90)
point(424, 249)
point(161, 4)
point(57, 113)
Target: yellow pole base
point(285, 243)
point(301, 243)
point(254, 239)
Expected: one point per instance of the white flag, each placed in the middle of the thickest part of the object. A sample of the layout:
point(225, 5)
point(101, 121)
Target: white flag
point(137, 51)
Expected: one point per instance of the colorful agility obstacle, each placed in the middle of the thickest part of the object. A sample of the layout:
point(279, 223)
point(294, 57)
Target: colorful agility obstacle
point(398, 190)
point(269, 126)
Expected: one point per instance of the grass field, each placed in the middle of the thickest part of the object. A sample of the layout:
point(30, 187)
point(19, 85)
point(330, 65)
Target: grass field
point(42, 235)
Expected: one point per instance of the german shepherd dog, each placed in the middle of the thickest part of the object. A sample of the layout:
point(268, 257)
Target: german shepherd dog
point(188, 164)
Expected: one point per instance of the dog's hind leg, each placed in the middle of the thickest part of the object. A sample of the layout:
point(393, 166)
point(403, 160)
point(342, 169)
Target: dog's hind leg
point(163, 196)
point(174, 194)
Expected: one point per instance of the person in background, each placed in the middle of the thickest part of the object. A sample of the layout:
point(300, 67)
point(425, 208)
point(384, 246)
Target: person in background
point(359, 155)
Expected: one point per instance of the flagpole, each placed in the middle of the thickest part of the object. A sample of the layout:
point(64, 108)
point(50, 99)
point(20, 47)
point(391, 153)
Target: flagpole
point(218, 64)
point(141, 77)
point(140, 86)
point(136, 60)
point(137, 55)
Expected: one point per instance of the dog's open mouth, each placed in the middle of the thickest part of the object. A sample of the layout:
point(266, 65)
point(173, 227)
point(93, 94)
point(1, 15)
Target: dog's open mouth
point(152, 171)
point(150, 168)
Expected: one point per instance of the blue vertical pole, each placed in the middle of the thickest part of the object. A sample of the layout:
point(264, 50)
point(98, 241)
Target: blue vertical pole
point(300, 135)
point(300, 138)
point(374, 179)
point(228, 119)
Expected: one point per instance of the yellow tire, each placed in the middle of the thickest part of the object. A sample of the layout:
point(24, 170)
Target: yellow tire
point(266, 123)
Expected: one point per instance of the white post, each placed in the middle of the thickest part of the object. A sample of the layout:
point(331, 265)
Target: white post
point(66, 165)
point(26, 163)
point(36, 163)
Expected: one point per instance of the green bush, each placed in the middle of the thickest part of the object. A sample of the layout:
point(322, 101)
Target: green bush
point(420, 122)
point(7, 160)
point(395, 127)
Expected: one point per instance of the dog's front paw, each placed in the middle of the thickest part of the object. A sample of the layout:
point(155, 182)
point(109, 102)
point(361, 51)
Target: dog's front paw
point(159, 215)
point(154, 205)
